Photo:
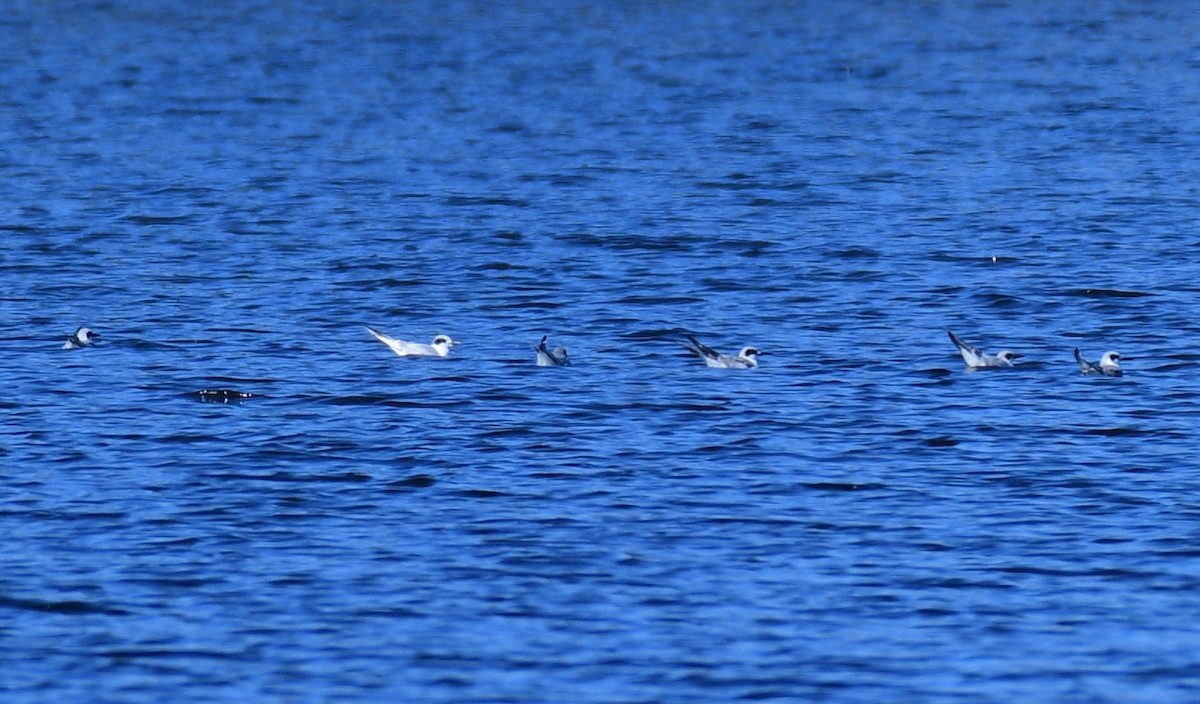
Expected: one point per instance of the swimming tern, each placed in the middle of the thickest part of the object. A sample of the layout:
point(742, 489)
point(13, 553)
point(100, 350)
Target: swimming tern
point(440, 347)
point(978, 359)
point(747, 358)
point(556, 357)
point(1109, 364)
point(83, 337)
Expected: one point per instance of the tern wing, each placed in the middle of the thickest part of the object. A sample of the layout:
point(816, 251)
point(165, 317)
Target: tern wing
point(972, 355)
point(703, 350)
point(731, 362)
point(547, 358)
point(1085, 366)
point(551, 360)
point(544, 359)
point(400, 347)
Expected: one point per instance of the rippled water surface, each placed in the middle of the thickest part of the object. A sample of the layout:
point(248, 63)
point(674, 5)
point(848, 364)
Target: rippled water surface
point(239, 495)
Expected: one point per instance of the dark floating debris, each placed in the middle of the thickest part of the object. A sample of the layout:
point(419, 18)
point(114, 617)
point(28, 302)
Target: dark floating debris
point(222, 395)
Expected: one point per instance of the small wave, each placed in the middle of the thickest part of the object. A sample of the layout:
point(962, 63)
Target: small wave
point(842, 486)
point(380, 400)
point(660, 300)
point(416, 481)
point(481, 494)
point(293, 477)
point(158, 219)
point(68, 606)
point(1001, 300)
point(475, 201)
point(854, 252)
point(1108, 293)
point(1118, 432)
point(139, 653)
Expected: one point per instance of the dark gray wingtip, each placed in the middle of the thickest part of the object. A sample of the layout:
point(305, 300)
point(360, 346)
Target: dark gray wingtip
point(1085, 366)
point(702, 349)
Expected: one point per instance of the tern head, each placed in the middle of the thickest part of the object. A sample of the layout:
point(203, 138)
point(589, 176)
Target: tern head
point(442, 344)
point(82, 337)
point(1009, 355)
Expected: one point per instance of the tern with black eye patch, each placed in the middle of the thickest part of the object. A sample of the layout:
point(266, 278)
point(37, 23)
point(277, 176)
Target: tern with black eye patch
point(83, 337)
point(1109, 364)
point(747, 358)
point(978, 359)
point(439, 348)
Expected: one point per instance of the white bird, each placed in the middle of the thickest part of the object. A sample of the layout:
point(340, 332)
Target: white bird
point(746, 359)
point(439, 348)
point(83, 337)
point(556, 357)
point(1109, 364)
point(978, 359)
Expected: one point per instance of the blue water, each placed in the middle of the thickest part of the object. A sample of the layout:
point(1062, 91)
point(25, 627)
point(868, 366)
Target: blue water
point(228, 192)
